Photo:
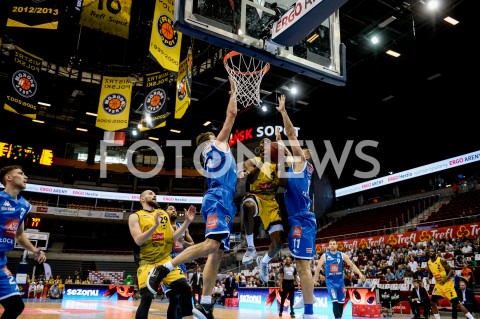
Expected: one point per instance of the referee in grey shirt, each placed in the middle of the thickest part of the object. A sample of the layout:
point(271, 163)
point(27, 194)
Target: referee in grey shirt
point(288, 281)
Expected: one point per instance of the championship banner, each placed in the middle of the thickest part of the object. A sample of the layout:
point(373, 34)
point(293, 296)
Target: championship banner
point(25, 69)
point(182, 97)
point(110, 16)
point(114, 104)
point(165, 41)
point(33, 14)
point(154, 112)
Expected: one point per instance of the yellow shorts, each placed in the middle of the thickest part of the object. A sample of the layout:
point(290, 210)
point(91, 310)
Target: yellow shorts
point(267, 209)
point(142, 274)
point(447, 290)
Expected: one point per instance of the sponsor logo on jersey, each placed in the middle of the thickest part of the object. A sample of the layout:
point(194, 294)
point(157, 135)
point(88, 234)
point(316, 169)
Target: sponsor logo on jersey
point(297, 232)
point(212, 222)
point(158, 237)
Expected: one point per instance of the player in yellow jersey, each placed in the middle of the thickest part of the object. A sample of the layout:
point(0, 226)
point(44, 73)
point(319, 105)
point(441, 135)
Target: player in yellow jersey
point(262, 187)
point(152, 231)
point(439, 269)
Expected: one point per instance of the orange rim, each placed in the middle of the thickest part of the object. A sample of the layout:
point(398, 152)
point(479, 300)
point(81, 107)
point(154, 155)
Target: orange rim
point(235, 53)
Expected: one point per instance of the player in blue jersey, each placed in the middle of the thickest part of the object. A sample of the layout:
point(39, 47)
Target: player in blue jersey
point(184, 241)
point(301, 238)
point(333, 261)
point(13, 210)
point(218, 210)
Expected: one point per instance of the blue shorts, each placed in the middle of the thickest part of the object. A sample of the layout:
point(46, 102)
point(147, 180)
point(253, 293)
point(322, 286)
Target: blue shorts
point(8, 285)
point(301, 238)
point(218, 210)
point(336, 290)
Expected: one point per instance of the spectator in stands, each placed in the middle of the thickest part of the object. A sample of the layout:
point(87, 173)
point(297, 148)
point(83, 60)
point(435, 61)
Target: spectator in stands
point(218, 293)
point(467, 298)
point(458, 251)
point(197, 285)
point(467, 248)
point(363, 283)
point(218, 208)
point(449, 245)
point(422, 258)
point(400, 273)
point(389, 276)
point(54, 292)
point(476, 249)
point(321, 282)
point(409, 273)
point(31, 289)
point(439, 269)
point(448, 254)
point(262, 185)
point(467, 274)
point(78, 280)
point(106, 281)
point(69, 280)
point(13, 211)
point(39, 290)
point(151, 230)
point(243, 281)
point(441, 246)
point(419, 299)
point(413, 264)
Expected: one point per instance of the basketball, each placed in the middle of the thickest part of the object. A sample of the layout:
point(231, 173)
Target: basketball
point(273, 152)
point(167, 31)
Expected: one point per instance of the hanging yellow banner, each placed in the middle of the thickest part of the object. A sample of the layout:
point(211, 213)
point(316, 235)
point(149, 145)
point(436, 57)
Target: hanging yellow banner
point(165, 41)
point(114, 104)
point(154, 113)
point(25, 82)
point(183, 90)
point(109, 16)
point(33, 14)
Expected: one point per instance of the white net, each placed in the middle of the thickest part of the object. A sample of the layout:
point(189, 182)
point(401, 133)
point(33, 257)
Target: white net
point(247, 73)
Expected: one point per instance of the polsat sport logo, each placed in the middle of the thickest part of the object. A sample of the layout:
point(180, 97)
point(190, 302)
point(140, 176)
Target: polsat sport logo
point(167, 32)
point(24, 83)
point(114, 103)
point(154, 101)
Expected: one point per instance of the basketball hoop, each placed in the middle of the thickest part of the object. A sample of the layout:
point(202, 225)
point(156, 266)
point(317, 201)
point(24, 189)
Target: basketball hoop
point(247, 73)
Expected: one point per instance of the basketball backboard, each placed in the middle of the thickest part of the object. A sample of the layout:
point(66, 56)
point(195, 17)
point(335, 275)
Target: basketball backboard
point(250, 27)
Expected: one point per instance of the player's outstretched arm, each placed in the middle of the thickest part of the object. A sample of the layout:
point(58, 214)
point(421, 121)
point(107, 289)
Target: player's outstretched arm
point(224, 134)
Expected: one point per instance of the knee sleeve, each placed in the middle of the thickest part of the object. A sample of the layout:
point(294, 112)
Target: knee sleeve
point(146, 298)
point(13, 306)
point(183, 289)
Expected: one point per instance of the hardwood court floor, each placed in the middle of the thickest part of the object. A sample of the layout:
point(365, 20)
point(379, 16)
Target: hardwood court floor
point(87, 309)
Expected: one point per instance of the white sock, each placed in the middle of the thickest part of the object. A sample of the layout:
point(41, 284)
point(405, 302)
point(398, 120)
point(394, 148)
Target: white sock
point(436, 315)
point(266, 259)
point(469, 315)
point(169, 266)
point(250, 241)
point(206, 299)
point(307, 316)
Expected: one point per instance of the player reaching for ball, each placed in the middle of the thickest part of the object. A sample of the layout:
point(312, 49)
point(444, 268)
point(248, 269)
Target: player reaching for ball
point(260, 200)
point(303, 225)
